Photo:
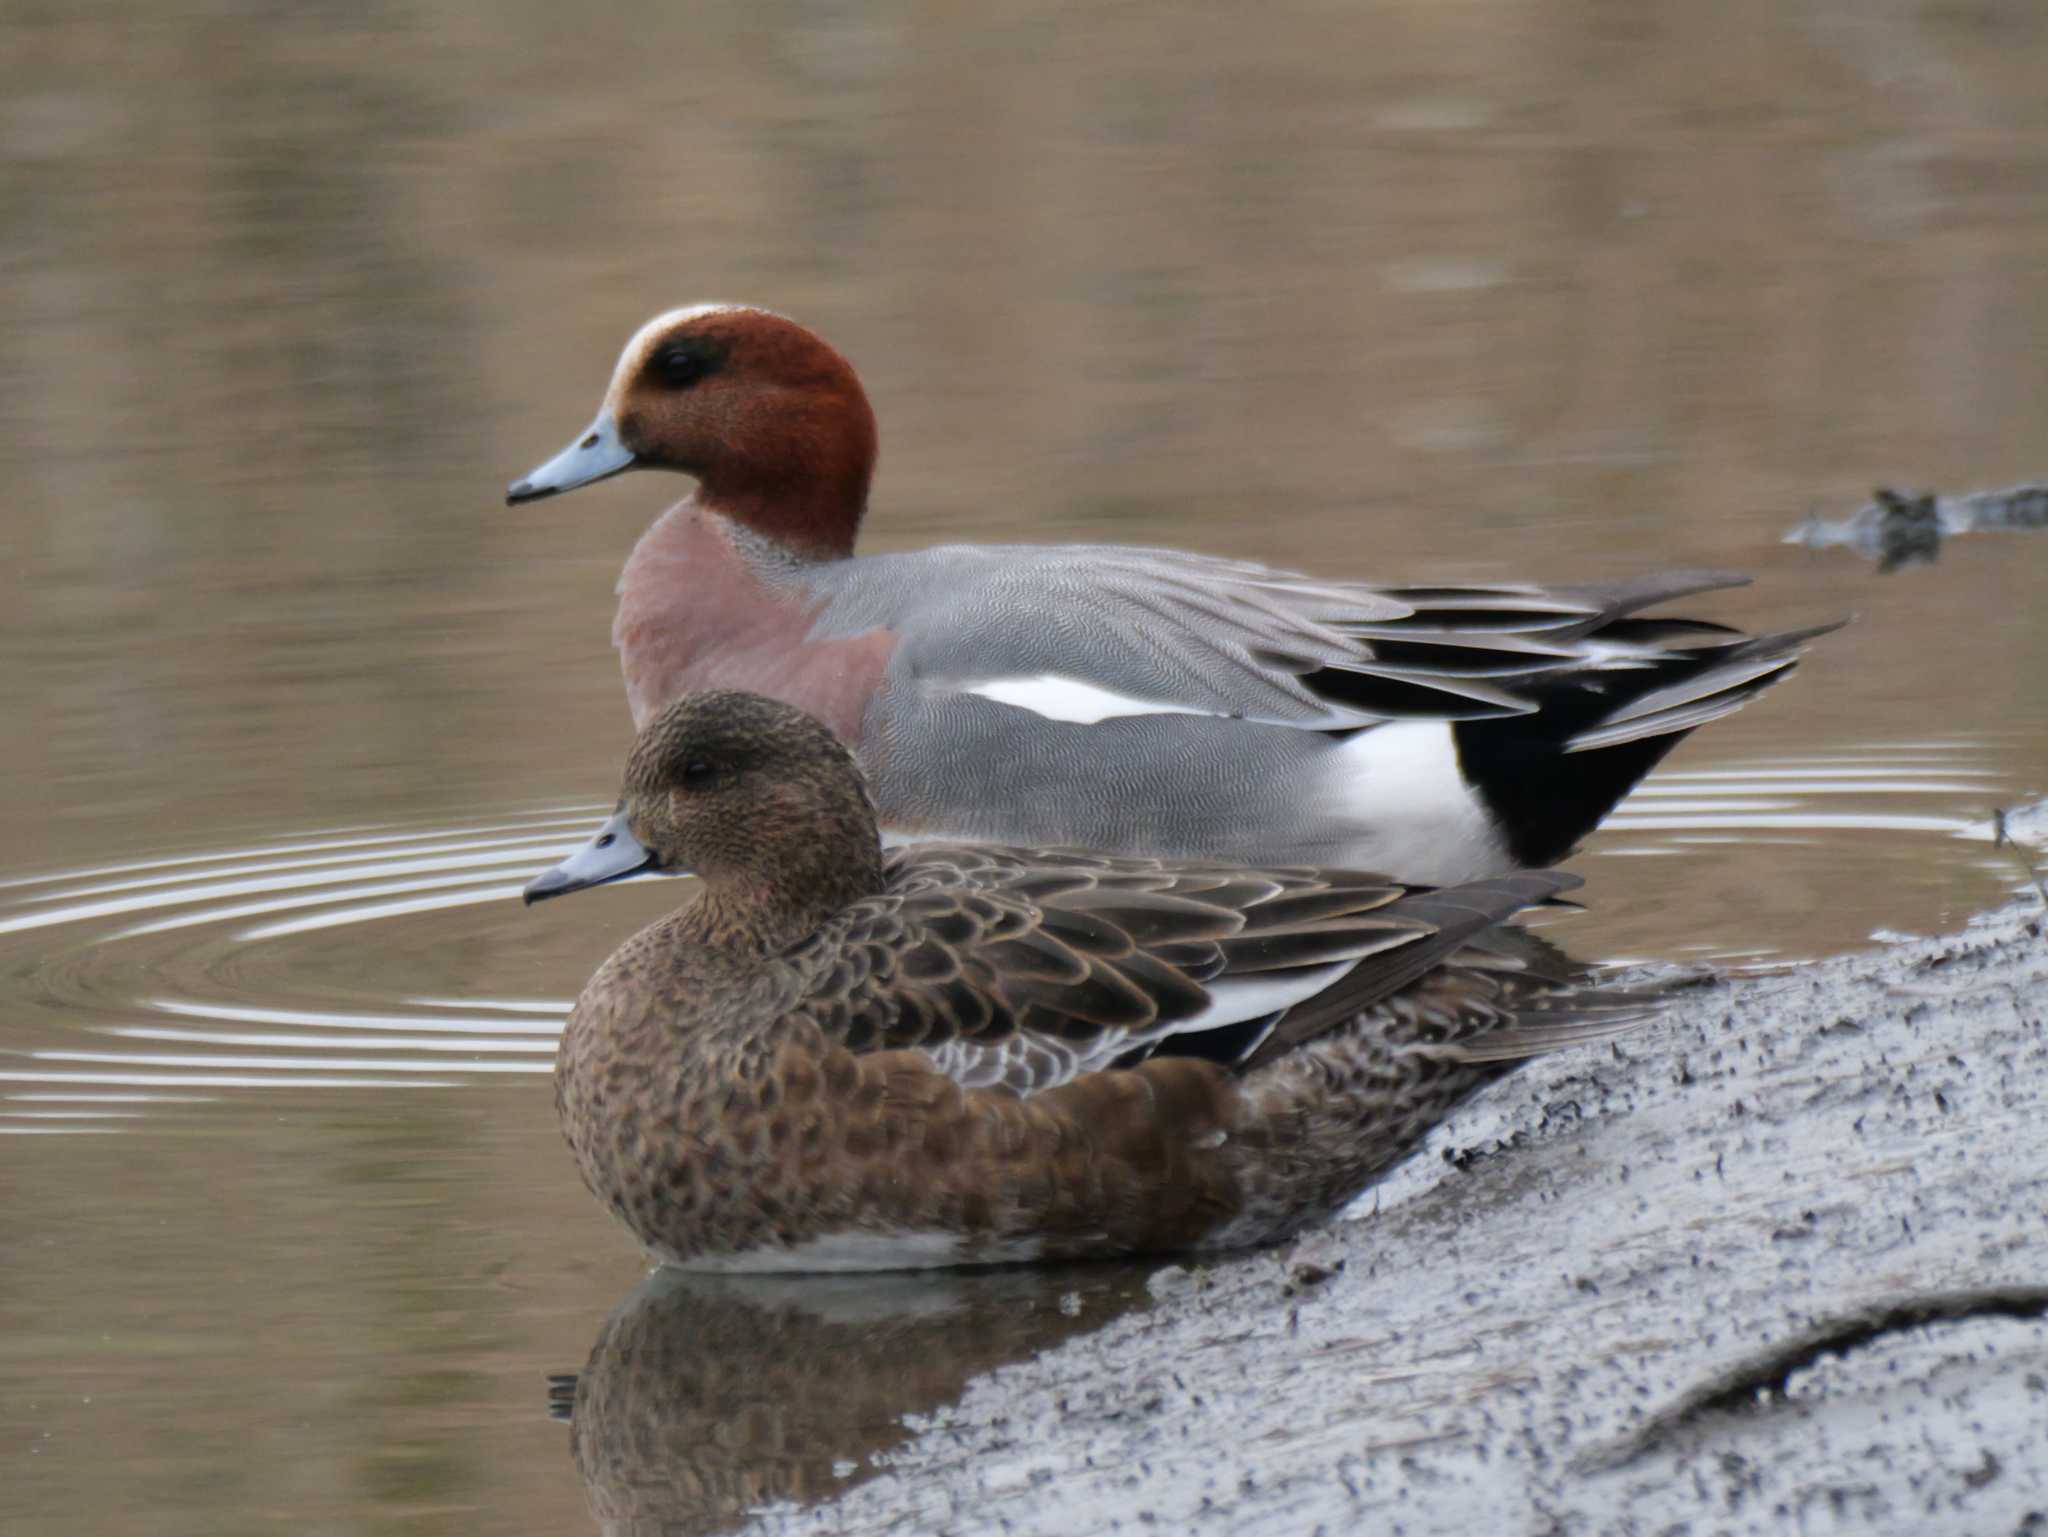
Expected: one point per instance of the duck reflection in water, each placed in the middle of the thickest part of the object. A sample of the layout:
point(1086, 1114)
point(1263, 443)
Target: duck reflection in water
point(706, 1397)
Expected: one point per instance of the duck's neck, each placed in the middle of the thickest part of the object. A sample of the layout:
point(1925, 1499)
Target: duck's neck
point(695, 560)
point(705, 602)
point(801, 523)
point(748, 916)
point(796, 466)
point(698, 596)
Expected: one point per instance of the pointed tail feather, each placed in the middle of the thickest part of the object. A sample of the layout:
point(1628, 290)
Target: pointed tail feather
point(1718, 688)
point(1447, 918)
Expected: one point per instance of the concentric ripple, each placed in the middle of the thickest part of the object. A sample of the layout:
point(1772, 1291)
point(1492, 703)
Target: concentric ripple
point(1783, 857)
point(194, 978)
point(1844, 791)
point(398, 958)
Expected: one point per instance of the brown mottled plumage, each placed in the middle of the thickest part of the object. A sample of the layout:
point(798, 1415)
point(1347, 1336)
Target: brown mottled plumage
point(963, 1054)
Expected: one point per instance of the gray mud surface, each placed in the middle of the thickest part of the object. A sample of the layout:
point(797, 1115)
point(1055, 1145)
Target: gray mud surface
point(1777, 1264)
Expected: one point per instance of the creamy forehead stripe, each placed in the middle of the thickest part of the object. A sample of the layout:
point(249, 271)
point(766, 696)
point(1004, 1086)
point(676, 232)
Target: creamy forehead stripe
point(635, 350)
point(634, 353)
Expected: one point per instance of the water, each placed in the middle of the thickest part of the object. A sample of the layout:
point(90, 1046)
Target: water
point(295, 704)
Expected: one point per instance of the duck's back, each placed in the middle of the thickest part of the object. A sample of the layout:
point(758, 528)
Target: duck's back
point(1155, 701)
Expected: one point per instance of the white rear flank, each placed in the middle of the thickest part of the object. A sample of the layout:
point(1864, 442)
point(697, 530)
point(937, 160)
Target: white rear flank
point(1401, 783)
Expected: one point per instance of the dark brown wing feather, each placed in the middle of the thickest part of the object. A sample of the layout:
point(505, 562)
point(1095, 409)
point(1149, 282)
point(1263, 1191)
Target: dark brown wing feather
point(1444, 921)
point(1028, 968)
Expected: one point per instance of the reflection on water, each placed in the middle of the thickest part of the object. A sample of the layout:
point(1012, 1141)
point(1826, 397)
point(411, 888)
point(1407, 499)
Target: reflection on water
point(706, 1398)
point(1815, 794)
point(1405, 291)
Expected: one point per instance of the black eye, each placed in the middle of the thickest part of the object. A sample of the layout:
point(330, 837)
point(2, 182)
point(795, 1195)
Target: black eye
point(679, 367)
point(697, 774)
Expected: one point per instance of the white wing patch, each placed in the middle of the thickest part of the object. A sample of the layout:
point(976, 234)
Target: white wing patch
point(1071, 699)
point(1029, 1063)
point(1232, 1000)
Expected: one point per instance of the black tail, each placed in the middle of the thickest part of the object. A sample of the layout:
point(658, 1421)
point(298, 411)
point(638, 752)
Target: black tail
point(1550, 776)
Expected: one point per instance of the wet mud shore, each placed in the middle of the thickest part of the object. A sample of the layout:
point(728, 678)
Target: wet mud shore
point(1778, 1262)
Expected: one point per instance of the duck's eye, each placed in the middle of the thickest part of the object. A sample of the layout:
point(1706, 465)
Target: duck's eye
point(697, 774)
point(680, 367)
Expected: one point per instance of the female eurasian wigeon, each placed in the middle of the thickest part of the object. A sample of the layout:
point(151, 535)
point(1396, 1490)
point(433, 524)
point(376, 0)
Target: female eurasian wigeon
point(836, 1058)
point(1131, 700)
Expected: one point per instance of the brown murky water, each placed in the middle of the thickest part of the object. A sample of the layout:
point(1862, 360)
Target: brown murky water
point(1410, 290)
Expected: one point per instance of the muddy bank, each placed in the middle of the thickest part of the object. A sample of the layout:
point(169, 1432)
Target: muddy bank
point(1776, 1263)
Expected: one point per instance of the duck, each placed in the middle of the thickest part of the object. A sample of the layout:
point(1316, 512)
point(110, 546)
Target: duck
point(1124, 699)
point(841, 1057)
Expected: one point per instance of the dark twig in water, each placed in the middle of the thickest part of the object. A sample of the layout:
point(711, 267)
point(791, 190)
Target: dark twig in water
point(2002, 838)
point(561, 1399)
point(1744, 1386)
point(1902, 528)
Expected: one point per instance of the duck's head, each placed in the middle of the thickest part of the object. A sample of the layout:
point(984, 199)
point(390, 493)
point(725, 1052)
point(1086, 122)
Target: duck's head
point(771, 422)
point(753, 795)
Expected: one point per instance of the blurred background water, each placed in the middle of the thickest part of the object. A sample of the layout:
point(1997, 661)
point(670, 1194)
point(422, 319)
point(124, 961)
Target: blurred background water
point(1412, 291)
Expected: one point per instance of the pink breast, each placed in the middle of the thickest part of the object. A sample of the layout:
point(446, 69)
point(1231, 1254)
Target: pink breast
point(693, 614)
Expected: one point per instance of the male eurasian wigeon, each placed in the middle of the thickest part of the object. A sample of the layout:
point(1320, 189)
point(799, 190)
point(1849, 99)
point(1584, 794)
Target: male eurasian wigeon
point(1129, 700)
point(837, 1058)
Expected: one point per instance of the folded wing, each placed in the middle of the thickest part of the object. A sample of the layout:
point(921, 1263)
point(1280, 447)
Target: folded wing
point(1028, 969)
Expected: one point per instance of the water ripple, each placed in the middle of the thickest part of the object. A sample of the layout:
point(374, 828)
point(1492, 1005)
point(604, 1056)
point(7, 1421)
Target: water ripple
point(140, 987)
